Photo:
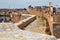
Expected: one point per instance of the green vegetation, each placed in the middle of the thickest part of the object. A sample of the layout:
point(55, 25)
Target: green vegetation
point(4, 15)
point(43, 21)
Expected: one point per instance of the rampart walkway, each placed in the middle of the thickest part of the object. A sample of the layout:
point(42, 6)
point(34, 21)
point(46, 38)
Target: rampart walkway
point(37, 26)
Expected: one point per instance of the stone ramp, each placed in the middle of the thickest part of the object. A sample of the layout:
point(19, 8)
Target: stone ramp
point(9, 31)
point(37, 26)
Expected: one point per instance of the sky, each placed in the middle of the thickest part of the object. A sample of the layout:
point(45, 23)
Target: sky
point(25, 3)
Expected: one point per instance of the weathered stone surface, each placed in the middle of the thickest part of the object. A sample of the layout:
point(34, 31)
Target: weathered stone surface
point(9, 31)
point(58, 39)
point(37, 26)
point(56, 30)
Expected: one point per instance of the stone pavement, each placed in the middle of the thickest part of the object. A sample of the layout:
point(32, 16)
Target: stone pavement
point(9, 31)
point(37, 26)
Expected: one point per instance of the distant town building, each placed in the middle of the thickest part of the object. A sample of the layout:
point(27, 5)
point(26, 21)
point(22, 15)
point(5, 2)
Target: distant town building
point(57, 9)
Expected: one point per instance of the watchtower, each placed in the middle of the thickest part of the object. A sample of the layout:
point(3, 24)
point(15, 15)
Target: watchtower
point(51, 8)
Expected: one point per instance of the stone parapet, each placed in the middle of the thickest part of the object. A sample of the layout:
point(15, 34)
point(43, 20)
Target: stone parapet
point(23, 23)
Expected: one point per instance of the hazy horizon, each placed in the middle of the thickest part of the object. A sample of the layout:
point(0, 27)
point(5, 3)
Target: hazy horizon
point(25, 3)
